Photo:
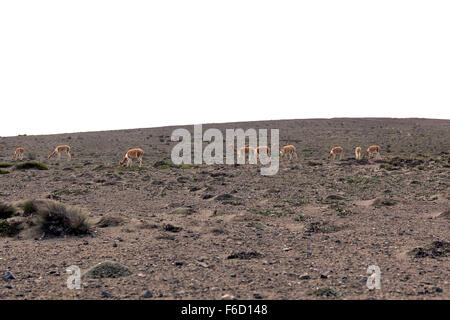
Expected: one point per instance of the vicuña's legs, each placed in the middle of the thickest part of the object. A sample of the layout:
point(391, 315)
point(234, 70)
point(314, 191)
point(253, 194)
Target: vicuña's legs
point(59, 155)
point(140, 162)
point(69, 157)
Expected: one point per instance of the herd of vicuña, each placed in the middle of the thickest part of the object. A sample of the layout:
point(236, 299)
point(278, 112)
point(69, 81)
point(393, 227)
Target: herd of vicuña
point(286, 152)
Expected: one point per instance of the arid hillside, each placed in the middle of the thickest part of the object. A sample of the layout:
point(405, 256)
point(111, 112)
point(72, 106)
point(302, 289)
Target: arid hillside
point(211, 232)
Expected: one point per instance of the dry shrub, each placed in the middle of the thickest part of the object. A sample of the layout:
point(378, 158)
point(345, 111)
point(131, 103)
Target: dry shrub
point(6, 210)
point(56, 219)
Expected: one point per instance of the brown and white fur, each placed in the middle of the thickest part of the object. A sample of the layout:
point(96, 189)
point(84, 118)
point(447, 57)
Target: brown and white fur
point(372, 150)
point(59, 149)
point(288, 150)
point(336, 151)
point(132, 153)
point(358, 153)
point(18, 153)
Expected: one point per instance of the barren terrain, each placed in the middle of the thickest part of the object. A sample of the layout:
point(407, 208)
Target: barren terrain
point(201, 232)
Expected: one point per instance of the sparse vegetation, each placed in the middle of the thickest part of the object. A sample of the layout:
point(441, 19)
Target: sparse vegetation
point(7, 210)
point(56, 219)
point(326, 292)
point(432, 250)
point(9, 229)
point(341, 212)
point(384, 202)
point(109, 221)
point(31, 165)
point(5, 165)
point(321, 227)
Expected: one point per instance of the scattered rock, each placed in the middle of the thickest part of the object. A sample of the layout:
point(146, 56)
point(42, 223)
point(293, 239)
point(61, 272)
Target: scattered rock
point(228, 297)
point(8, 276)
point(171, 228)
point(203, 264)
point(245, 255)
point(147, 294)
point(305, 277)
point(225, 197)
point(257, 295)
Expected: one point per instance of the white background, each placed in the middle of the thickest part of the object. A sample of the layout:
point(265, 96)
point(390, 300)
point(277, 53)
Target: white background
point(90, 65)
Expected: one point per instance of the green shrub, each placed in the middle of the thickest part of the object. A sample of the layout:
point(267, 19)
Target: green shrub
point(6, 210)
point(31, 165)
point(4, 171)
point(9, 229)
point(5, 165)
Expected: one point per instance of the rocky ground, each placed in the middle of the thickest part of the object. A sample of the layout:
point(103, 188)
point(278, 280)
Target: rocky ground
point(202, 232)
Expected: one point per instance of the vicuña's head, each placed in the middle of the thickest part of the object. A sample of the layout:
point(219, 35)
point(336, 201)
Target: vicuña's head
point(122, 162)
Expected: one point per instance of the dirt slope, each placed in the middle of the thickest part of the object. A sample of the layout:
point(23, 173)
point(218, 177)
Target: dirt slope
point(309, 232)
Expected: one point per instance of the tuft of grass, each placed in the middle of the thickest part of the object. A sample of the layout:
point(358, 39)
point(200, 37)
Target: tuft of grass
point(326, 292)
point(109, 221)
point(341, 212)
point(164, 166)
point(322, 227)
point(4, 171)
point(5, 165)
point(432, 250)
point(6, 210)
point(267, 213)
point(31, 165)
point(189, 166)
point(29, 207)
point(108, 269)
point(8, 229)
point(384, 202)
point(388, 167)
point(56, 219)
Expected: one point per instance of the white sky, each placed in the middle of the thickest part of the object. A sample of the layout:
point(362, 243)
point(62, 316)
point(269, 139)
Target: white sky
point(69, 66)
